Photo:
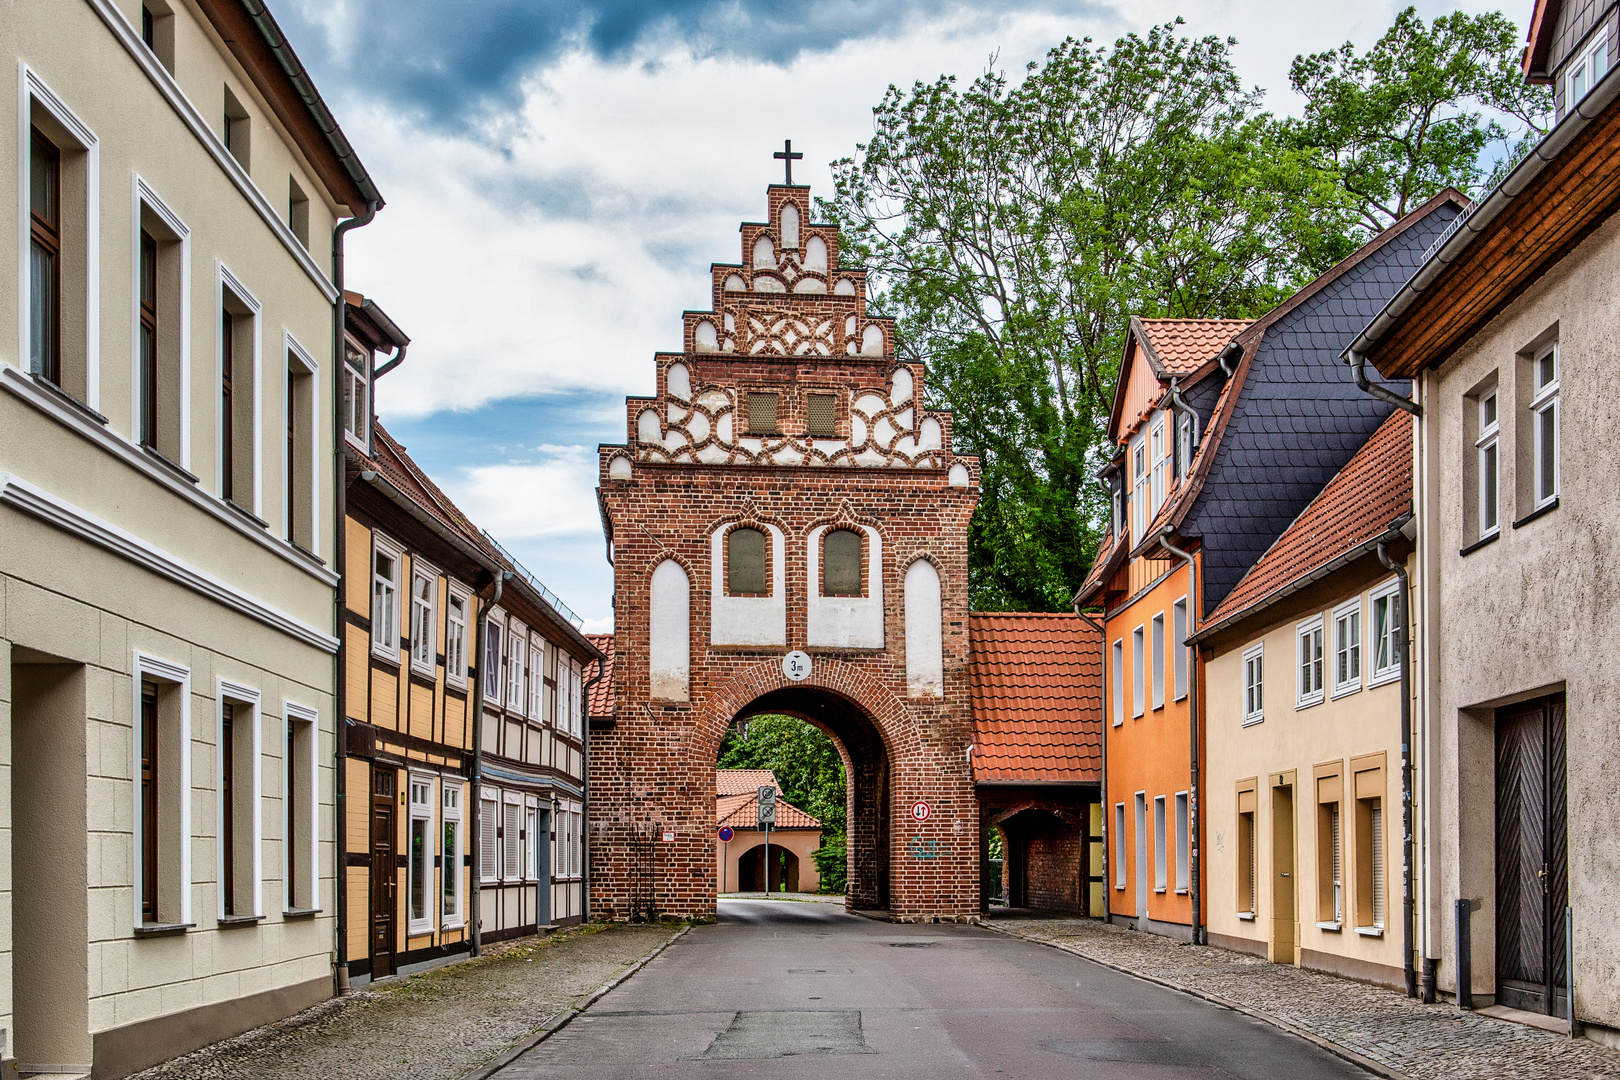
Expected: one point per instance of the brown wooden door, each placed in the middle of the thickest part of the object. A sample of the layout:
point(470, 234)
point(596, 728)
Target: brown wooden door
point(1284, 915)
point(1532, 884)
point(384, 873)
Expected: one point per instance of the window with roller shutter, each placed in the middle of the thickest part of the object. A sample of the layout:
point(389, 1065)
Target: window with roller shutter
point(512, 842)
point(488, 841)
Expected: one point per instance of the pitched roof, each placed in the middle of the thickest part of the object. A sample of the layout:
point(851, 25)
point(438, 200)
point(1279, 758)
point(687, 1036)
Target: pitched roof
point(743, 781)
point(737, 798)
point(390, 459)
point(1036, 685)
point(1373, 490)
point(1182, 346)
point(1110, 554)
point(601, 703)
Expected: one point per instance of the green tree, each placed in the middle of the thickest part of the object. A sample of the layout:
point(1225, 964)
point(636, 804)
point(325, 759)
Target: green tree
point(1422, 110)
point(1013, 226)
point(809, 772)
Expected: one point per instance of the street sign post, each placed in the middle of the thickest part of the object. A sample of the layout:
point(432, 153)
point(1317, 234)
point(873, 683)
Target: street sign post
point(767, 818)
point(725, 838)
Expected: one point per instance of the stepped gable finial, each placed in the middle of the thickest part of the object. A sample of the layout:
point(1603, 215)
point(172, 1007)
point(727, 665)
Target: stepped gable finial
point(787, 157)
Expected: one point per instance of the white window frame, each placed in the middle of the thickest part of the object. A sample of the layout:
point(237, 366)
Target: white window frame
point(1118, 660)
point(225, 282)
point(1160, 854)
point(1136, 460)
point(385, 634)
point(537, 678)
point(510, 874)
point(1588, 71)
point(34, 91)
point(424, 660)
point(1180, 652)
point(1542, 405)
point(422, 810)
point(1308, 635)
point(1254, 684)
point(517, 666)
point(1349, 613)
point(1183, 850)
point(492, 669)
point(300, 358)
point(1121, 871)
point(1158, 660)
point(531, 831)
point(1138, 672)
point(146, 198)
point(1378, 676)
point(297, 715)
point(489, 844)
point(1487, 448)
point(238, 694)
point(347, 374)
point(452, 797)
point(576, 700)
point(157, 670)
point(1160, 452)
point(457, 635)
point(576, 854)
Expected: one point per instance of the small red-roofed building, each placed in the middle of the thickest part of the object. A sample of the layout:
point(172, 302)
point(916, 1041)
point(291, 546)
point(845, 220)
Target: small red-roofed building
point(740, 863)
point(1302, 790)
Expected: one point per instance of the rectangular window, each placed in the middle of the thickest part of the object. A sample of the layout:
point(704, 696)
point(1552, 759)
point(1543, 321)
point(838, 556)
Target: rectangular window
point(1178, 645)
point(297, 210)
point(489, 823)
point(237, 803)
point(147, 390)
point(1347, 647)
point(1311, 661)
point(227, 405)
point(162, 801)
point(1369, 856)
point(44, 257)
point(1139, 489)
point(1159, 852)
point(492, 661)
point(1184, 446)
point(238, 402)
point(1386, 660)
point(157, 32)
point(1138, 659)
point(762, 414)
point(356, 393)
point(148, 739)
point(1182, 850)
point(1118, 668)
point(1161, 466)
point(162, 352)
point(1254, 684)
point(531, 830)
point(424, 623)
point(455, 638)
point(537, 682)
point(1486, 466)
point(1247, 863)
point(385, 572)
point(821, 415)
point(299, 482)
point(1119, 845)
point(420, 858)
point(511, 841)
point(1587, 70)
point(300, 848)
point(1158, 661)
point(238, 130)
point(1329, 854)
point(1544, 424)
point(517, 666)
point(450, 857)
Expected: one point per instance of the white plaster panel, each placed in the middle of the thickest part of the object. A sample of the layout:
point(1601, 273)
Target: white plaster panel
point(748, 620)
point(669, 645)
point(848, 622)
point(679, 382)
point(925, 642)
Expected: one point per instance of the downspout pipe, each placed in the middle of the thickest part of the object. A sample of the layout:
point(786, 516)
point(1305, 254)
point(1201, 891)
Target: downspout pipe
point(1102, 743)
point(1229, 357)
point(340, 514)
point(475, 845)
point(1404, 653)
point(1358, 372)
point(1194, 814)
point(1179, 404)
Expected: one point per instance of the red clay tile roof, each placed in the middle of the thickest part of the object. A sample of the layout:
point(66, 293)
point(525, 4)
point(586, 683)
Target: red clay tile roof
point(601, 703)
point(1183, 345)
point(390, 459)
point(1109, 555)
point(1373, 490)
point(1037, 698)
point(737, 797)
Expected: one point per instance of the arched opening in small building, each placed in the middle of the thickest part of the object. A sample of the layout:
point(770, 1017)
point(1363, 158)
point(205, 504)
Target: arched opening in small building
point(830, 766)
point(1043, 858)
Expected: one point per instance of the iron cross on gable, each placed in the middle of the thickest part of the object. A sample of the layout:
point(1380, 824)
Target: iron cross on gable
point(787, 157)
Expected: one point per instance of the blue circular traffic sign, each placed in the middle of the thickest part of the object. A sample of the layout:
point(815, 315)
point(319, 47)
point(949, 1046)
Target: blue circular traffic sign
point(726, 834)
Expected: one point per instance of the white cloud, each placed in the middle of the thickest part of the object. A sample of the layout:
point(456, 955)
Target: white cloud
point(552, 498)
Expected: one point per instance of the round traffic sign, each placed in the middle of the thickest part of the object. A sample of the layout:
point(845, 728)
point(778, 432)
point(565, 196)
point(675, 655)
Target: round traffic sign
point(726, 834)
point(920, 811)
point(796, 665)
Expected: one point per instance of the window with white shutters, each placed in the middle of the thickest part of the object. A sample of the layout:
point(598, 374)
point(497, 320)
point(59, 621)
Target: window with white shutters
point(511, 841)
point(537, 682)
point(1182, 850)
point(488, 841)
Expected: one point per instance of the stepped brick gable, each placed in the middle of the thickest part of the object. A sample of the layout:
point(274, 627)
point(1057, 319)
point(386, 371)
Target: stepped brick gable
point(787, 490)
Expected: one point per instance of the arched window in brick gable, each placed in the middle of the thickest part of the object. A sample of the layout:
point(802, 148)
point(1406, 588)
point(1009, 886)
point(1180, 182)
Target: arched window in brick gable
point(841, 563)
point(746, 563)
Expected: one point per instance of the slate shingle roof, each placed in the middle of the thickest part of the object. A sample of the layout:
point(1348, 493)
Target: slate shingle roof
point(1036, 684)
point(1372, 491)
point(601, 703)
point(1183, 345)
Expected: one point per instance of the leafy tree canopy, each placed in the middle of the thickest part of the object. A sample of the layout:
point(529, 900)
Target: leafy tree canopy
point(804, 759)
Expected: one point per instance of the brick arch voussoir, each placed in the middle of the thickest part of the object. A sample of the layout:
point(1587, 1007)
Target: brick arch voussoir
point(886, 711)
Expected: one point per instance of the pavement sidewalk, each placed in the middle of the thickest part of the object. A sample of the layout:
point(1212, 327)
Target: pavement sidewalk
point(1385, 1031)
point(438, 1025)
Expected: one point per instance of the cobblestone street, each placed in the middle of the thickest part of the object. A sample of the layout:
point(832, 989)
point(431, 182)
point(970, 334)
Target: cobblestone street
point(1393, 1033)
point(438, 1025)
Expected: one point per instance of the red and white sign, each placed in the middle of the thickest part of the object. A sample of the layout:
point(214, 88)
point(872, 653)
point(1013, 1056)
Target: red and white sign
point(726, 834)
point(920, 811)
point(669, 836)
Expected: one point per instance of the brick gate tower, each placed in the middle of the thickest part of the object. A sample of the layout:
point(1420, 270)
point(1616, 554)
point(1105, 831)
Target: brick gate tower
point(786, 491)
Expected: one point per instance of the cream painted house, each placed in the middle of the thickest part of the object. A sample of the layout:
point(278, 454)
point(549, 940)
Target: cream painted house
point(168, 396)
point(1303, 744)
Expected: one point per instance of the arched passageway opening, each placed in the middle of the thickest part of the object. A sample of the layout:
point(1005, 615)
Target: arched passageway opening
point(1044, 859)
point(782, 863)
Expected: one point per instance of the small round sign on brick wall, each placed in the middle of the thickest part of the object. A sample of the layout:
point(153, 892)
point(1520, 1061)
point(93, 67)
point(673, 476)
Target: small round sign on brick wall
point(796, 665)
point(920, 811)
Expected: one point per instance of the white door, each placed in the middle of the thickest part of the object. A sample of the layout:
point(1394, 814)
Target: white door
point(1141, 855)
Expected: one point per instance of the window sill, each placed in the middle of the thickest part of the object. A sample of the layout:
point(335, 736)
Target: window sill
point(162, 929)
point(164, 462)
point(243, 512)
point(1246, 916)
point(1532, 515)
point(1159, 889)
point(1370, 931)
point(1181, 892)
point(1310, 702)
point(449, 926)
point(1392, 675)
point(1253, 720)
point(1119, 888)
point(301, 912)
point(1463, 553)
point(1346, 690)
point(418, 929)
point(391, 659)
point(67, 399)
point(1331, 927)
point(226, 922)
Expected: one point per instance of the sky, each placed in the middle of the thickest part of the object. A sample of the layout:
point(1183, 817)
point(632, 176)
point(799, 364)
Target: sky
point(559, 174)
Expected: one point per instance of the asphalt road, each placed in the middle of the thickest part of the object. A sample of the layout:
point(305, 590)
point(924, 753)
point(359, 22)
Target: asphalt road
point(801, 990)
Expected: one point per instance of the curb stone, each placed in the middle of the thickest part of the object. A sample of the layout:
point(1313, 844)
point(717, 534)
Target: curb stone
point(523, 1046)
point(1372, 1065)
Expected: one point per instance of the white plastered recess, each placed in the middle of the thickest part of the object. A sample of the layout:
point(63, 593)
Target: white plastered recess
point(847, 622)
point(669, 646)
point(925, 658)
point(748, 620)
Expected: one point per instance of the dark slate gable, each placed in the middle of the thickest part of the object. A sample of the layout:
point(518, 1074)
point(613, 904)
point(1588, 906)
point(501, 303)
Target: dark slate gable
point(1299, 418)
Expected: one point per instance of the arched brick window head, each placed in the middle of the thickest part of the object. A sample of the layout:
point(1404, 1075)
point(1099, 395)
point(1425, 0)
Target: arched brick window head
point(745, 562)
point(841, 564)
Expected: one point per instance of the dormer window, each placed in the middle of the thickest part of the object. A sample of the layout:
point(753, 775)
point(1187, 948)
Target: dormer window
point(1139, 488)
point(1587, 70)
point(1161, 464)
point(356, 393)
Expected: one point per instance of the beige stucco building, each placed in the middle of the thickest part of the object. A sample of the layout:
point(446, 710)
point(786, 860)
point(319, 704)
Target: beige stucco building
point(788, 852)
point(167, 643)
point(1303, 746)
point(1510, 331)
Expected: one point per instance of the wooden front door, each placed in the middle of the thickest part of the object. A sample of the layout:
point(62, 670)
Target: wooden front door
point(384, 873)
point(1532, 884)
point(1284, 917)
